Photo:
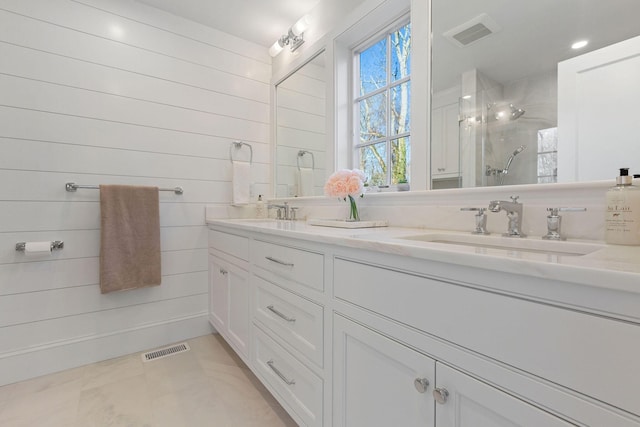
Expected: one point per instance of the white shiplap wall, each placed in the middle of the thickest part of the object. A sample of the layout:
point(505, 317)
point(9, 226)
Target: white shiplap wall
point(106, 92)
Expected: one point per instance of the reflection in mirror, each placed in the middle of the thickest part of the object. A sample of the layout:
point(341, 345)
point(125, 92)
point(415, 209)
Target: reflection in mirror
point(497, 118)
point(300, 131)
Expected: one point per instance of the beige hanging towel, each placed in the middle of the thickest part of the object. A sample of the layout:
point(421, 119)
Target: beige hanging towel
point(129, 237)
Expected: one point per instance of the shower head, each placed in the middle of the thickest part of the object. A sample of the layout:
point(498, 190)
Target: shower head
point(510, 159)
point(519, 149)
point(503, 112)
point(515, 113)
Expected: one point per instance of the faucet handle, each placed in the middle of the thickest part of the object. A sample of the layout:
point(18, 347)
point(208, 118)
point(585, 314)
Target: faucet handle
point(514, 199)
point(554, 221)
point(278, 209)
point(554, 211)
point(293, 213)
point(481, 220)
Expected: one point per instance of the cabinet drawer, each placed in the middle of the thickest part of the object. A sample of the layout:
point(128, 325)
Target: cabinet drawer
point(300, 388)
point(296, 320)
point(232, 244)
point(300, 266)
point(567, 347)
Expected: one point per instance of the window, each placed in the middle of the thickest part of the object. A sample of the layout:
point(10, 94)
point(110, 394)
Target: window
point(382, 96)
point(548, 155)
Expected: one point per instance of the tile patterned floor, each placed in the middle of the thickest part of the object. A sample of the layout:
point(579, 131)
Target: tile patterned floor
point(206, 386)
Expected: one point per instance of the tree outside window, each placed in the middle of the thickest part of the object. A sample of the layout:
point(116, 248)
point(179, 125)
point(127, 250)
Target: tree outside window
point(383, 149)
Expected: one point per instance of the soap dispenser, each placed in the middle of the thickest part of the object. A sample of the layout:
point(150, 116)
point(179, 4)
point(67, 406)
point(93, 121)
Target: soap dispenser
point(622, 212)
point(260, 211)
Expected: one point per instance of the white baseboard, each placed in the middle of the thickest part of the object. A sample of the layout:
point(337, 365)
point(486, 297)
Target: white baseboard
point(49, 358)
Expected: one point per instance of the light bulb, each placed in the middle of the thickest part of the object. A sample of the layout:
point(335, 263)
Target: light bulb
point(276, 48)
point(579, 44)
point(301, 26)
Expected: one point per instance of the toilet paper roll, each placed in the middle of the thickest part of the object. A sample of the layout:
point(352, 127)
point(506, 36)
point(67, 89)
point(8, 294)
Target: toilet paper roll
point(37, 248)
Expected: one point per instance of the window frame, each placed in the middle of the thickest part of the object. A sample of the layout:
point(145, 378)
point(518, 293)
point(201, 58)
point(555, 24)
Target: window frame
point(356, 98)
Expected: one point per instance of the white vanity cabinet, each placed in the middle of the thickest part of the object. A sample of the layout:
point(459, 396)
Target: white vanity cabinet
point(229, 289)
point(517, 361)
point(288, 325)
point(348, 335)
point(378, 381)
point(381, 382)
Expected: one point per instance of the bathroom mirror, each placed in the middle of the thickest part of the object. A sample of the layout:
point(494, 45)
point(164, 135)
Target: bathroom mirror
point(495, 105)
point(301, 130)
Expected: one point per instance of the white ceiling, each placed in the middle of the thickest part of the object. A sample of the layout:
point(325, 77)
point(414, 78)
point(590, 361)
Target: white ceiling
point(534, 36)
point(259, 21)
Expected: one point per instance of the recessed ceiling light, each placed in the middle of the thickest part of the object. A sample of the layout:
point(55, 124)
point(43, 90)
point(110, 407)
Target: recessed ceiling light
point(580, 44)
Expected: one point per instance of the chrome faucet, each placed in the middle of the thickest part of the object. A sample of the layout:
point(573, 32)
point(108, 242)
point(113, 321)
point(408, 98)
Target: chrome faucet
point(514, 214)
point(284, 211)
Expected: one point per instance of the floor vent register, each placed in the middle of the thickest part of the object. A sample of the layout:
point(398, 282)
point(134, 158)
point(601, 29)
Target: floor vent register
point(165, 352)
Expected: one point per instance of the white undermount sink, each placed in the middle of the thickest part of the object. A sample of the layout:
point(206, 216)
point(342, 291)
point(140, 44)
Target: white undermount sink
point(526, 244)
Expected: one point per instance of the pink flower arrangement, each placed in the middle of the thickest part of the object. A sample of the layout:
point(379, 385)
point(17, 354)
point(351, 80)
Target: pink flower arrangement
point(345, 183)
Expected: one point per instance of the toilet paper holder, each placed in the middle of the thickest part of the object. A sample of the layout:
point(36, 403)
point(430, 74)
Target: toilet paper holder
point(56, 244)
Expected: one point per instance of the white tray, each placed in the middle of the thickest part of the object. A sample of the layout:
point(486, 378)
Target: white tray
point(341, 223)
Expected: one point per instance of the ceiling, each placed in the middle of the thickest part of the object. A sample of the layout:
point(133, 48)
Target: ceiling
point(259, 21)
point(533, 38)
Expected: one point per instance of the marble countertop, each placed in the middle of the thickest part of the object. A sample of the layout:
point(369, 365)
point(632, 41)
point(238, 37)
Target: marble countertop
point(605, 266)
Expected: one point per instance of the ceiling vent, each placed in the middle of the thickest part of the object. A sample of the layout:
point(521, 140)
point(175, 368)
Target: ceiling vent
point(473, 30)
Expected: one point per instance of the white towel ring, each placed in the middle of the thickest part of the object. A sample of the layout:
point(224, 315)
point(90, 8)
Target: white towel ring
point(238, 145)
point(302, 153)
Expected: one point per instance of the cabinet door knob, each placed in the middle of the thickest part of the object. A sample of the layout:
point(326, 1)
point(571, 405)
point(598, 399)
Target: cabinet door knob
point(421, 384)
point(440, 395)
point(223, 272)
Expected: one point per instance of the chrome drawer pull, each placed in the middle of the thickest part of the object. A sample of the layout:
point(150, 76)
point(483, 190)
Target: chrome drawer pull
point(278, 373)
point(280, 314)
point(288, 264)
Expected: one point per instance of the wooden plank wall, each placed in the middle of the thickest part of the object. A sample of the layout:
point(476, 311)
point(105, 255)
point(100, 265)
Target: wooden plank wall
point(106, 92)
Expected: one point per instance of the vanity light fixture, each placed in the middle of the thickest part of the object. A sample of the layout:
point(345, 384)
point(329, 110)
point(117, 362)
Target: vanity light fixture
point(294, 37)
point(579, 44)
